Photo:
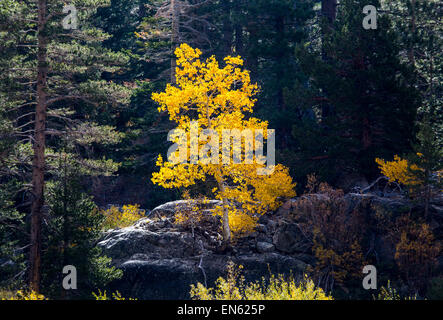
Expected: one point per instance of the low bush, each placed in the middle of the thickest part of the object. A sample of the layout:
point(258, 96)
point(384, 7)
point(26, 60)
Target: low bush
point(124, 217)
point(233, 287)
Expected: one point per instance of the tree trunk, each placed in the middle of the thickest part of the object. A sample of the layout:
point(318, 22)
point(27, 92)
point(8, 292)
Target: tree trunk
point(281, 55)
point(175, 37)
point(366, 136)
point(227, 29)
point(427, 196)
point(225, 220)
point(238, 6)
point(66, 220)
point(38, 163)
point(141, 10)
point(239, 40)
point(329, 9)
point(411, 53)
point(280, 27)
point(329, 12)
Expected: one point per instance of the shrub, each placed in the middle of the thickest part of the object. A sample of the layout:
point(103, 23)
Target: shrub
point(124, 217)
point(390, 293)
point(190, 216)
point(241, 223)
point(422, 172)
point(335, 232)
point(72, 229)
point(416, 252)
point(23, 295)
point(233, 287)
point(114, 296)
point(399, 170)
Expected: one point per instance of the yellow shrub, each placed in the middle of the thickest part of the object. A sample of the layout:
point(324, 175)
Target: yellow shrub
point(234, 288)
point(185, 218)
point(416, 252)
point(190, 216)
point(390, 293)
point(399, 171)
point(116, 218)
point(337, 236)
point(241, 223)
point(114, 296)
point(25, 295)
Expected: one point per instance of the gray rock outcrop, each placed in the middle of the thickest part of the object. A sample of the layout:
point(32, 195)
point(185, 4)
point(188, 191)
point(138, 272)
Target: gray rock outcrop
point(160, 260)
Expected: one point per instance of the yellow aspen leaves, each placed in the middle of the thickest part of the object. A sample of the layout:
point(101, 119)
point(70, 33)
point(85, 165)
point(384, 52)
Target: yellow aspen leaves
point(25, 295)
point(277, 287)
point(209, 98)
point(124, 217)
point(399, 170)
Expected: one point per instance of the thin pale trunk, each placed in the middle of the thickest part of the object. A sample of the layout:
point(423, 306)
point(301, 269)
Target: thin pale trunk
point(174, 35)
point(221, 185)
point(225, 220)
point(38, 162)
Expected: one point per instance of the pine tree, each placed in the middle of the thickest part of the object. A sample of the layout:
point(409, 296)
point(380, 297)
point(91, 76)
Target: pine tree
point(372, 94)
point(420, 28)
point(170, 23)
point(52, 86)
point(12, 230)
point(73, 226)
point(428, 161)
point(267, 33)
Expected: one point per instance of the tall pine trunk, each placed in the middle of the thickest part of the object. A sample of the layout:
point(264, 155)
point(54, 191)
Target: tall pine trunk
point(38, 163)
